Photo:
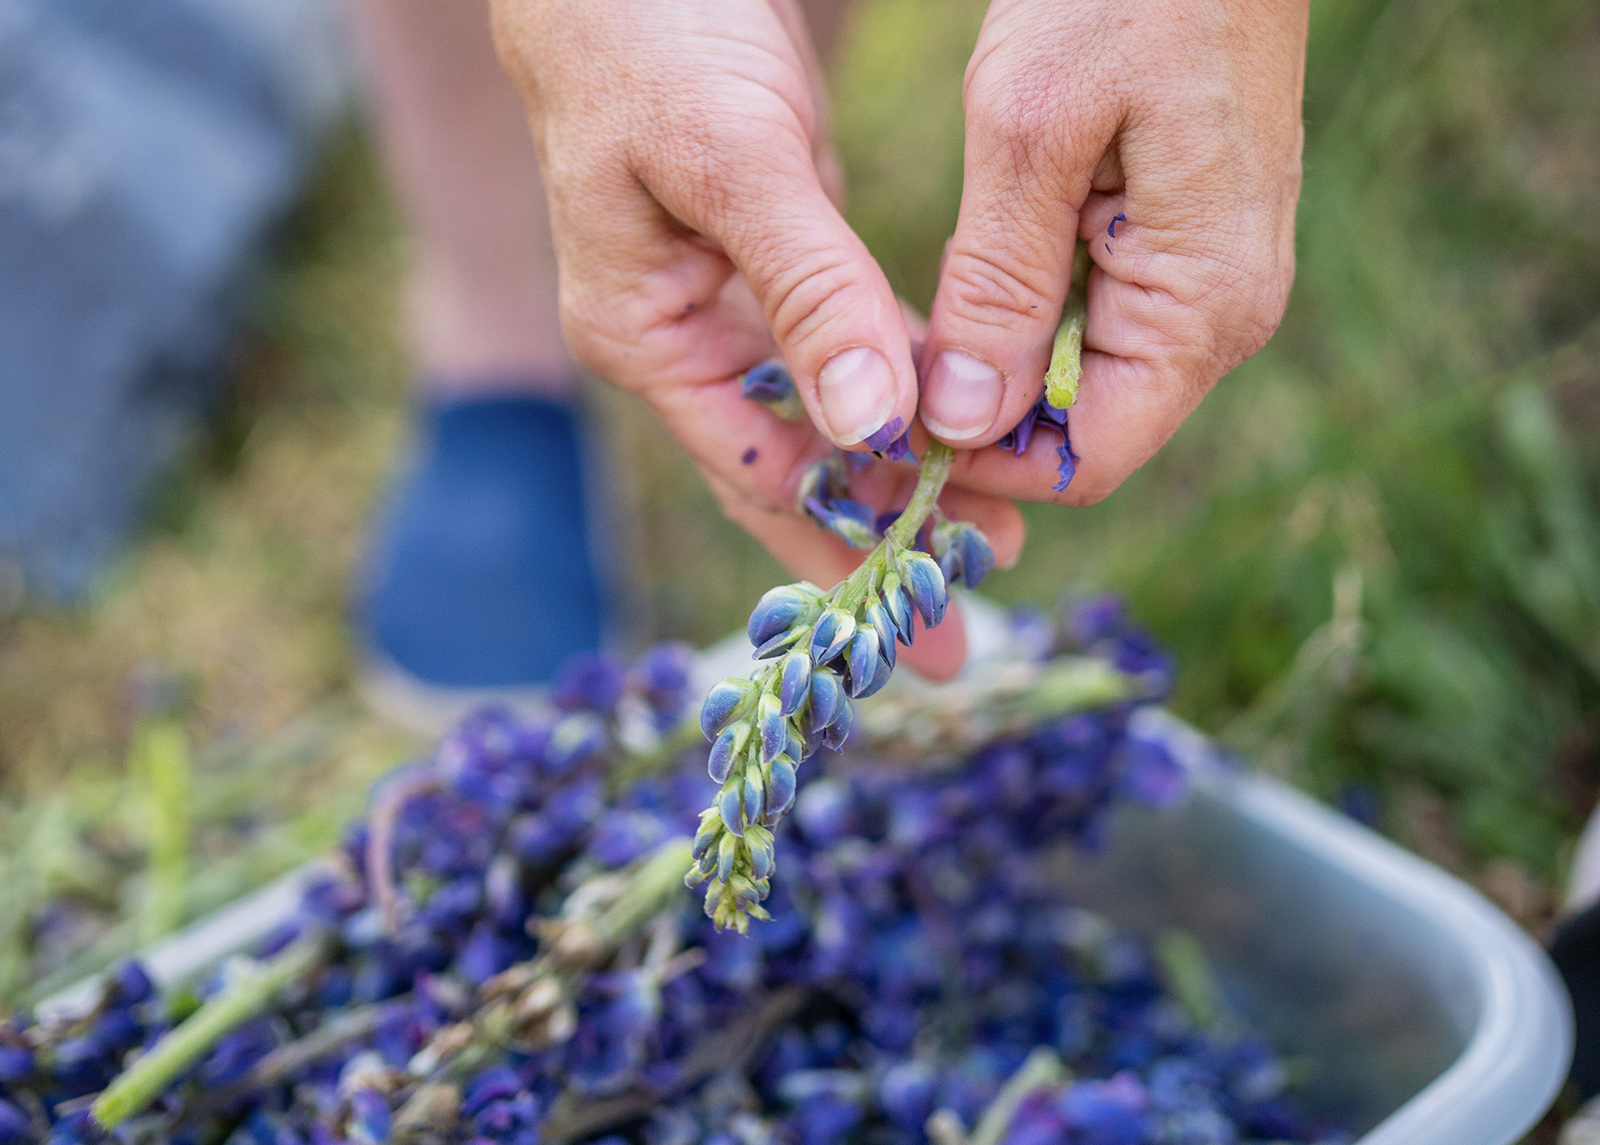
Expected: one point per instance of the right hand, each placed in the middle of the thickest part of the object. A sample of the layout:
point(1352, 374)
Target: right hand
point(686, 160)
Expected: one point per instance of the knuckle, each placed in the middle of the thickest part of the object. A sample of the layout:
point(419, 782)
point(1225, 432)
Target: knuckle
point(800, 289)
point(1004, 290)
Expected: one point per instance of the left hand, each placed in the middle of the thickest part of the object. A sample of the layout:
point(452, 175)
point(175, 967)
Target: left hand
point(1179, 119)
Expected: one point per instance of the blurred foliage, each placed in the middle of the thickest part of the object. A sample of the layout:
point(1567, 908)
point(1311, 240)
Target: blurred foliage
point(1374, 546)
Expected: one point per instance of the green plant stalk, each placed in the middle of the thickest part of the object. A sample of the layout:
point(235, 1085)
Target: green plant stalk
point(1042, 1070)
point(650, 889)
point(1066, 356)
point(150, 1075)
point(162, 761)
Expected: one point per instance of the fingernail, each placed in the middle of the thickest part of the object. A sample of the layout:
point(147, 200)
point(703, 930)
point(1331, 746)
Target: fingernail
point(961, 397)
point(856, 390)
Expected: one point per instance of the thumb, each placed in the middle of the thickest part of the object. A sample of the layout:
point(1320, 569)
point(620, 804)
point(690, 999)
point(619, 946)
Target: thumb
point(1007, 269)
point(834, 316)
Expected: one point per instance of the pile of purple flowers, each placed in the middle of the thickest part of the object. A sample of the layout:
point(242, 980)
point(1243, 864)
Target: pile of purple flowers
point(464, 990)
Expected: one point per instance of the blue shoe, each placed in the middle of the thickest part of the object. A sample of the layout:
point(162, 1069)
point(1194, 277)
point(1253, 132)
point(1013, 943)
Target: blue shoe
point(481, 580)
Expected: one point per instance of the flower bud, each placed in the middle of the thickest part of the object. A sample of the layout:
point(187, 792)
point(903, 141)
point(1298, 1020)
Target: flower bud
point(774, 729)
point(761, 858)
point(780, 788)
point(753, 794)
point(838, 731)
point(724, 702)
point(796, 677)
point(832, 634)
point(963, 553)
point(878, 617)
point(780, 609)
point(926, 583)
point(897, 603)
point(728, 807)
point(710, 828)
point(826, 697)
point(880, 676)
point(724, 749)
point(726, 852)
point(863, 660)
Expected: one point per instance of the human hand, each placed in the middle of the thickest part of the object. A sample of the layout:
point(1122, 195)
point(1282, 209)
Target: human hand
point(1167, 135)
point(685, 157)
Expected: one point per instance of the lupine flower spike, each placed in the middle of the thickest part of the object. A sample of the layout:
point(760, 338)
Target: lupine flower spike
point(820, 650)
point(825, 648)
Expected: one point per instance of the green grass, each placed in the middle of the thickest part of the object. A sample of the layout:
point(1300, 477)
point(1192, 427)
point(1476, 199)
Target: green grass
point(1374, 546)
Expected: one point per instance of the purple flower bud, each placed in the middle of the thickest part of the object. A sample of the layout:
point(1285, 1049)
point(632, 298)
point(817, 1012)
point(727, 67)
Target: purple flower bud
point(827, 697)
point(831, 635)
point(897, 603)
point(796, 676)
point(880, 676)
point(723, 750)
point(753, 794)
point(773, 727)
point(780, 787)
point(780, 609)
point(839, 731)
point(796, 748)
point(723, 703)
point(878, 617)
point(963, 553)
point(926, 584)
point(863, 660)
point(728, 807)
point(726, 850)
point(129, 984)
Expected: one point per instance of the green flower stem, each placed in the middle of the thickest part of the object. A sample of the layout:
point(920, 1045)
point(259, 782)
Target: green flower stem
point(574, 946)
point(1042, 1070)
point(932, 473)
point(150, 1075)
point(931, 476)
point(650, 890)
point(1066, 356)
